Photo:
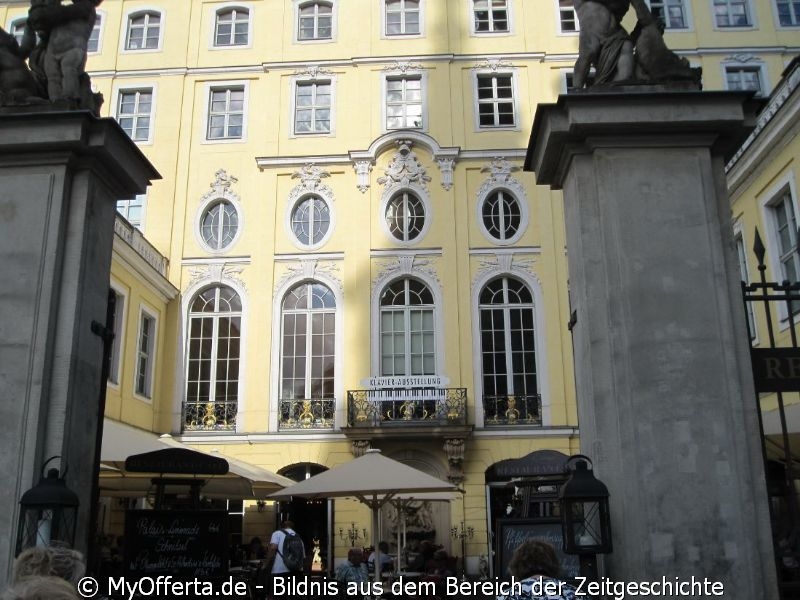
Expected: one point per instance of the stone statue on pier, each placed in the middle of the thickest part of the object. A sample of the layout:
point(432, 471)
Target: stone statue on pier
point(54, 42)
point(622, 58)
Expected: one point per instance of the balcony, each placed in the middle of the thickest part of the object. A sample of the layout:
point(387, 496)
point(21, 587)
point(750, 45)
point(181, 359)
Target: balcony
point(306, 414)
point(512, 411)
point(209, 416)
point(406, 406)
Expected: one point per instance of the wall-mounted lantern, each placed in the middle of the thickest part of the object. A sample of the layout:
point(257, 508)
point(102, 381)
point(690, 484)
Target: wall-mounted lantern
point(585, 519)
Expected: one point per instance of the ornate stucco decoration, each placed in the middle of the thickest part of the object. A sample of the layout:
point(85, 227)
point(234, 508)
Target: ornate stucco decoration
point(313, 72)
point(310, 177)
point(446, 169)
point(405, 169)
point(311, 268)
point(742, 57)
point(219, 272)
point(406, 264)
point(500, 176)
point(221, 188)
point(403, 66)
point(507, 262)
point(492, 64)
point(360, 447)
point(454, 449)
point(362, 168)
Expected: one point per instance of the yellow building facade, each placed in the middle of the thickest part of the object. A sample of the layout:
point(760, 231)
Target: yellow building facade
point(352, 256)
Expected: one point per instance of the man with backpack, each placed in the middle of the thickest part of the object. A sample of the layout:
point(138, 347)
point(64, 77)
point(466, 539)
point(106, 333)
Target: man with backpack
point(288, 551)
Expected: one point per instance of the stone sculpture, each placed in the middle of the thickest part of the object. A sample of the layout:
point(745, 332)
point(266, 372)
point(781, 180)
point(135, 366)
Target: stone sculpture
point(55, 44)
point(620, 58)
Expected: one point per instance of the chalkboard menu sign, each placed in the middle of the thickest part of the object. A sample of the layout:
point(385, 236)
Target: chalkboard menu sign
point(184, 544)
point(512, 532)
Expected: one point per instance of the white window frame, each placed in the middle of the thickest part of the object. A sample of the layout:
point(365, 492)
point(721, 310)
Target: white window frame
point(742, 254)
point(126, 202)
point(393, 36)
point(115, 360)
point(409, 74)
point(518, 192)
point(540, 335)
point(334, 19)
point(751, 13)
point(778, 24)
point(150, 375)
point(221, 85)
point(205, 206)
point(687, 15)
point(301, 80)
point(470, 4)
point(749, 66)
point(123, 40)
point(214, 15)
point(426, 203)
point(119, 91)
point(322, 192)
point(559, 23)
point(477, 73)
point(768, 200)
point(99, 25)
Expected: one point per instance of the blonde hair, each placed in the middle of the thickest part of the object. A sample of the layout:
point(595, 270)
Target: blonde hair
point(41, 588)
point(54, 561)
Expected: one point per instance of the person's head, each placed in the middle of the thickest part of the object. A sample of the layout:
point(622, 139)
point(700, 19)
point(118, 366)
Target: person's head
point(41, 588)
point(255, 542)
point(426, 547)
point(534, 558)
point(383, 547)
point(55, 561)
point(355, 556)
point(287, 524)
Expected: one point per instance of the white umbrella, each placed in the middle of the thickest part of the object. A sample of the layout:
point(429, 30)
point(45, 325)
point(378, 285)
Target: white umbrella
point(372, 478)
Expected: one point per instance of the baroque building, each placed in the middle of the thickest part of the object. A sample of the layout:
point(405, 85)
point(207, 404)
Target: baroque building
point(343, 251)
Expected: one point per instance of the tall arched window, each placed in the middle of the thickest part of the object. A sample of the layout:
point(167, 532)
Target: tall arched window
point(212, 380)
point(407, 329)
point(308, 318)
point(508, 351)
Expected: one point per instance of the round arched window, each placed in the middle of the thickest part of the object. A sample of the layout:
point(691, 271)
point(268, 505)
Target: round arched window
point(311, 220)
point(219, 225)
point(501, 215)
point(405, 216)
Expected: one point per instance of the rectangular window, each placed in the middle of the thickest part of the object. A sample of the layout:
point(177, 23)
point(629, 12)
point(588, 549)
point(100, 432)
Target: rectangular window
point(743, 78)
point(402, 17)
point(145, 347)
point(226, 113)
point(18, 30)
point(404, 103)
point(490, 15)
point(144, 31)
point(116, 346)
point(495, 101)
point(568, 20)
point(133, 210)
point(134, 108)
point(788, 12)
point(785, 222)
point(93, 45)
point(741, 254)
point(312, 112)
point(732, 13)
point(672, 13)
point(232, 27)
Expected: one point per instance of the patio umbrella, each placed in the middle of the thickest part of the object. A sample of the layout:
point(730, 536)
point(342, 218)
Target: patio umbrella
point(372, 478)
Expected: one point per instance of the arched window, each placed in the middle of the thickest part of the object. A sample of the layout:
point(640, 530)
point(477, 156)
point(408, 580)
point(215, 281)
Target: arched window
point(144, 31)
point(308, 318)
point(232, 27)
point(407, 329)
point(405, 216)
point(212, 380)
point(315, 21)
point(508, 349)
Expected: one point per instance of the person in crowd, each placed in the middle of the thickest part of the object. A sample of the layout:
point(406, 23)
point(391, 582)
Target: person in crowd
point(55, 561)
point(256, 551)
point(37, 587)
point(353, 570)
point(423, 557)
point(535, 565)
point(387, 564)
point(438, 570)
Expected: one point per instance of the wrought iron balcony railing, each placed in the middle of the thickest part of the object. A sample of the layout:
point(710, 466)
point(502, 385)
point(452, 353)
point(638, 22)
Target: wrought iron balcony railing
point(306, 413)
point(398, 406)
point(512, 410)
point(209, 416)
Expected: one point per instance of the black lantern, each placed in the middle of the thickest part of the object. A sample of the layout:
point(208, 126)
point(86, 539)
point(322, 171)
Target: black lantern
point(585, 521)
point(48, 513)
